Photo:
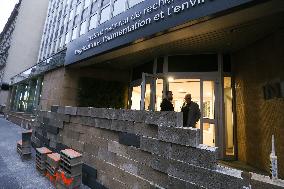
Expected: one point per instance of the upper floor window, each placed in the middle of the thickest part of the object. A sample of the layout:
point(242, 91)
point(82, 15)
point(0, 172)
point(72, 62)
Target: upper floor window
point(105, 14)
point(134, 2)
point(118, 7)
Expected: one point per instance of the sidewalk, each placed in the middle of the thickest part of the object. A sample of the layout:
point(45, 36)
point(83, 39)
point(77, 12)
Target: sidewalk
point(15, 173)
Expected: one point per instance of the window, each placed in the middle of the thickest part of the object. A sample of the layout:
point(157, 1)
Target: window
point(85, 14)
point(69, 25)
point(105, 14)
point(93, 21)
point(67, 39)
point(95, 7)
point(72, 14)
point(118, 7)
point(61, 30)
point(76, 20)
point(134, 2)
point(61, 42)
point(105, 2)
point(74, 34)
point(79, 8)
point(83, 28)
point(87, 3)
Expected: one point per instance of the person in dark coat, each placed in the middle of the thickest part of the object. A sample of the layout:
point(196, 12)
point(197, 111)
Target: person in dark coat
point(191, 112)
point(166, 104)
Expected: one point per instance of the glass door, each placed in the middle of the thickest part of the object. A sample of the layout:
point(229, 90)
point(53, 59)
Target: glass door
point(203, 93)
point(208, 115)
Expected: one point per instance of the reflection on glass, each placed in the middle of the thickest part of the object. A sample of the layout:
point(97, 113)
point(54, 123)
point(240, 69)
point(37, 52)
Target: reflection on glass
point(229, 129)
point(147, 97)
point(105, 14)
point(118, 7)
point(135, 98)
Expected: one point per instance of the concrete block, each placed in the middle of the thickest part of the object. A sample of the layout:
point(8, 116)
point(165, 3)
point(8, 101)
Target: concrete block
point(123, 126)
point(202, 155)
point(139, 155)
point(91, 149)
point(69, 110)
point(72, 134)
point(262, 182)
point(155, 146)
point(164, 119)
point(176, 183)
point(91, 171)
point(117, 148)
point(80, 120)
point(51, 129)
point(54, 108)
point(84, 111)
point(204, 177)
point(160, 163)
point(144, 129)
point(129, 139)
point(104, 113)
point(185, 136)
point(102, 123)
point(153, 176)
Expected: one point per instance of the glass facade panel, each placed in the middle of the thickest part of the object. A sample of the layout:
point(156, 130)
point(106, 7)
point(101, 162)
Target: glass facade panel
point(118, 7)
point(83, 28)
point(74, 33)
point(79, 9)
point(71, 14)
point(105, 14)
point(134, 2)
point(87, 3)
point(67, 38)
point(93, 21)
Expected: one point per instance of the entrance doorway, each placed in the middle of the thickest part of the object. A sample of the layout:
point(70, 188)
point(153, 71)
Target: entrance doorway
point(210, 86)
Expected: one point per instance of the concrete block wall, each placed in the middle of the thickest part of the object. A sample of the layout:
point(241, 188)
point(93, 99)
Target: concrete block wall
point(134, 149)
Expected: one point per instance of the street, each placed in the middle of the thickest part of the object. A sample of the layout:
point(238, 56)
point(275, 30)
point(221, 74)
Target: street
point(15, 173)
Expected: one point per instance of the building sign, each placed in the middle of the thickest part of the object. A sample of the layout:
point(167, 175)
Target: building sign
point(143, 20)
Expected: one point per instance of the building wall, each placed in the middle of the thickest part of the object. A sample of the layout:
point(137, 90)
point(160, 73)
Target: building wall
point(257, 118)
point(25, 39)
point(60, 86)
point(138, 149)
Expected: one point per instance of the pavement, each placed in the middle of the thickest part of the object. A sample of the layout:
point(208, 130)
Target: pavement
point(14, 172)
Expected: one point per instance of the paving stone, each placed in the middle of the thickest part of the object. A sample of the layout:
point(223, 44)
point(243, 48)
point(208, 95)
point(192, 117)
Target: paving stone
point(185, 136)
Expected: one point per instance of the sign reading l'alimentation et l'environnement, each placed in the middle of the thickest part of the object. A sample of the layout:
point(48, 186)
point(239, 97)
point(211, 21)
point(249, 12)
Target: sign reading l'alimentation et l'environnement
point(142, 20)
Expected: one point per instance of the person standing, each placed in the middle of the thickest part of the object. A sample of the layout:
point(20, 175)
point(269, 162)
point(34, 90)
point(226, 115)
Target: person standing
point(166, 104)
point(191, 112)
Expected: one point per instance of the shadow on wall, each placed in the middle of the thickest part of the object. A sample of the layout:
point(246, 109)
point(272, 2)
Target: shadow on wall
point(102, 94)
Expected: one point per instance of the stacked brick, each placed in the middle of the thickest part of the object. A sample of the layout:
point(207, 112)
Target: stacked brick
point(52, 166)
point(70, 173)
point(140, 149)
point(41, 157)
point(24, 145)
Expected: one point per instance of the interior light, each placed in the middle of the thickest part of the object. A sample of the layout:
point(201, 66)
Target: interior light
point(170, 79)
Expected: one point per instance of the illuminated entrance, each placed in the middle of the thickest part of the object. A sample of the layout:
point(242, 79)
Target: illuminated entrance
point(206, 89)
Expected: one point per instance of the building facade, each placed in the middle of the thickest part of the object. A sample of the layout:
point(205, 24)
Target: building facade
point(5, 43)
point(128, 53)
point(23, 52)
